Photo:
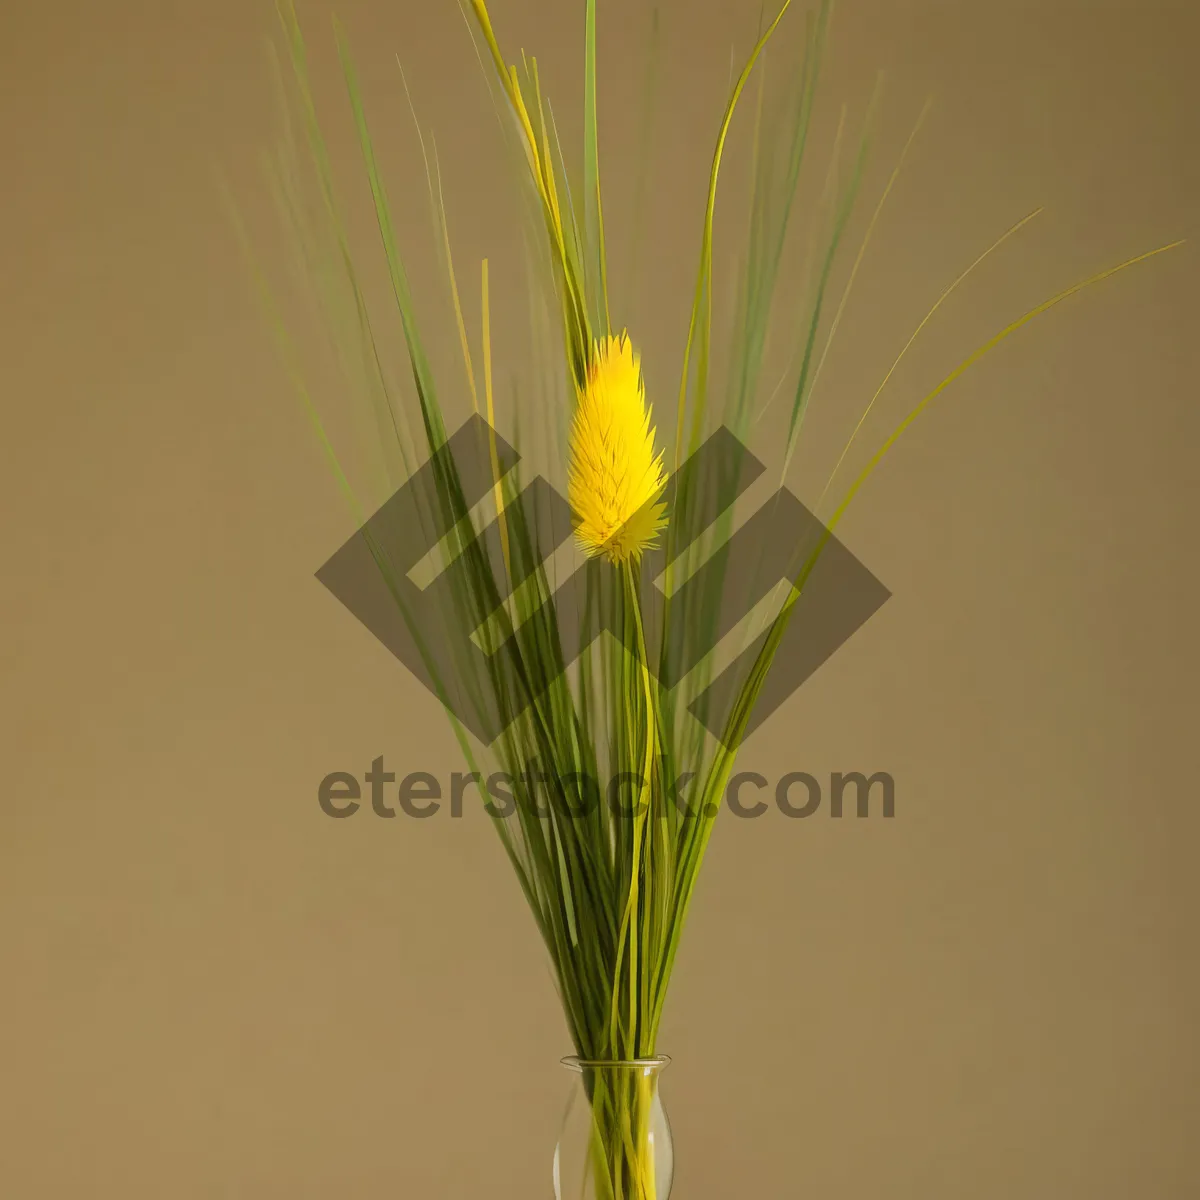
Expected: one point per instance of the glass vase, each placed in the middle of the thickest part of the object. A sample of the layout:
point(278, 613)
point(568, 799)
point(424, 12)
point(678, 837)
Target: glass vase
point(615, 1142)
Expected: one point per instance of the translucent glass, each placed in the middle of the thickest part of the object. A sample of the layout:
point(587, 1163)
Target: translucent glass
point(615, 1142)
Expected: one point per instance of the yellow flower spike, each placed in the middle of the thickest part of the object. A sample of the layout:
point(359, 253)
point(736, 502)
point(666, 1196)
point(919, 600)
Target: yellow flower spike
point(615, 478)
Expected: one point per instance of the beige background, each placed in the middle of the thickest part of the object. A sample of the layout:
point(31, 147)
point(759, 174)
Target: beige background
point(208, 989)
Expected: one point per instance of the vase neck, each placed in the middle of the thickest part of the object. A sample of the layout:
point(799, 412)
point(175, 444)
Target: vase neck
point(645, 1068)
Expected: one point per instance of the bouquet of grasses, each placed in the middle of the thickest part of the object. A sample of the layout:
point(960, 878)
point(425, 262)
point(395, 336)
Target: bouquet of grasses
point(517, 653)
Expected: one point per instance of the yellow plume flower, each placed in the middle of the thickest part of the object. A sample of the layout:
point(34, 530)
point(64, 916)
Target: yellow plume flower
point(615, 478)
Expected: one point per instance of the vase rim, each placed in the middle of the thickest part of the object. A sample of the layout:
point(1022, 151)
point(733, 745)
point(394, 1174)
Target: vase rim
point(574, 1063)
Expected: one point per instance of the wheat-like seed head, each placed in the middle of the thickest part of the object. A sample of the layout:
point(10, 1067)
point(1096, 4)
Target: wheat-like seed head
point(615, 478)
